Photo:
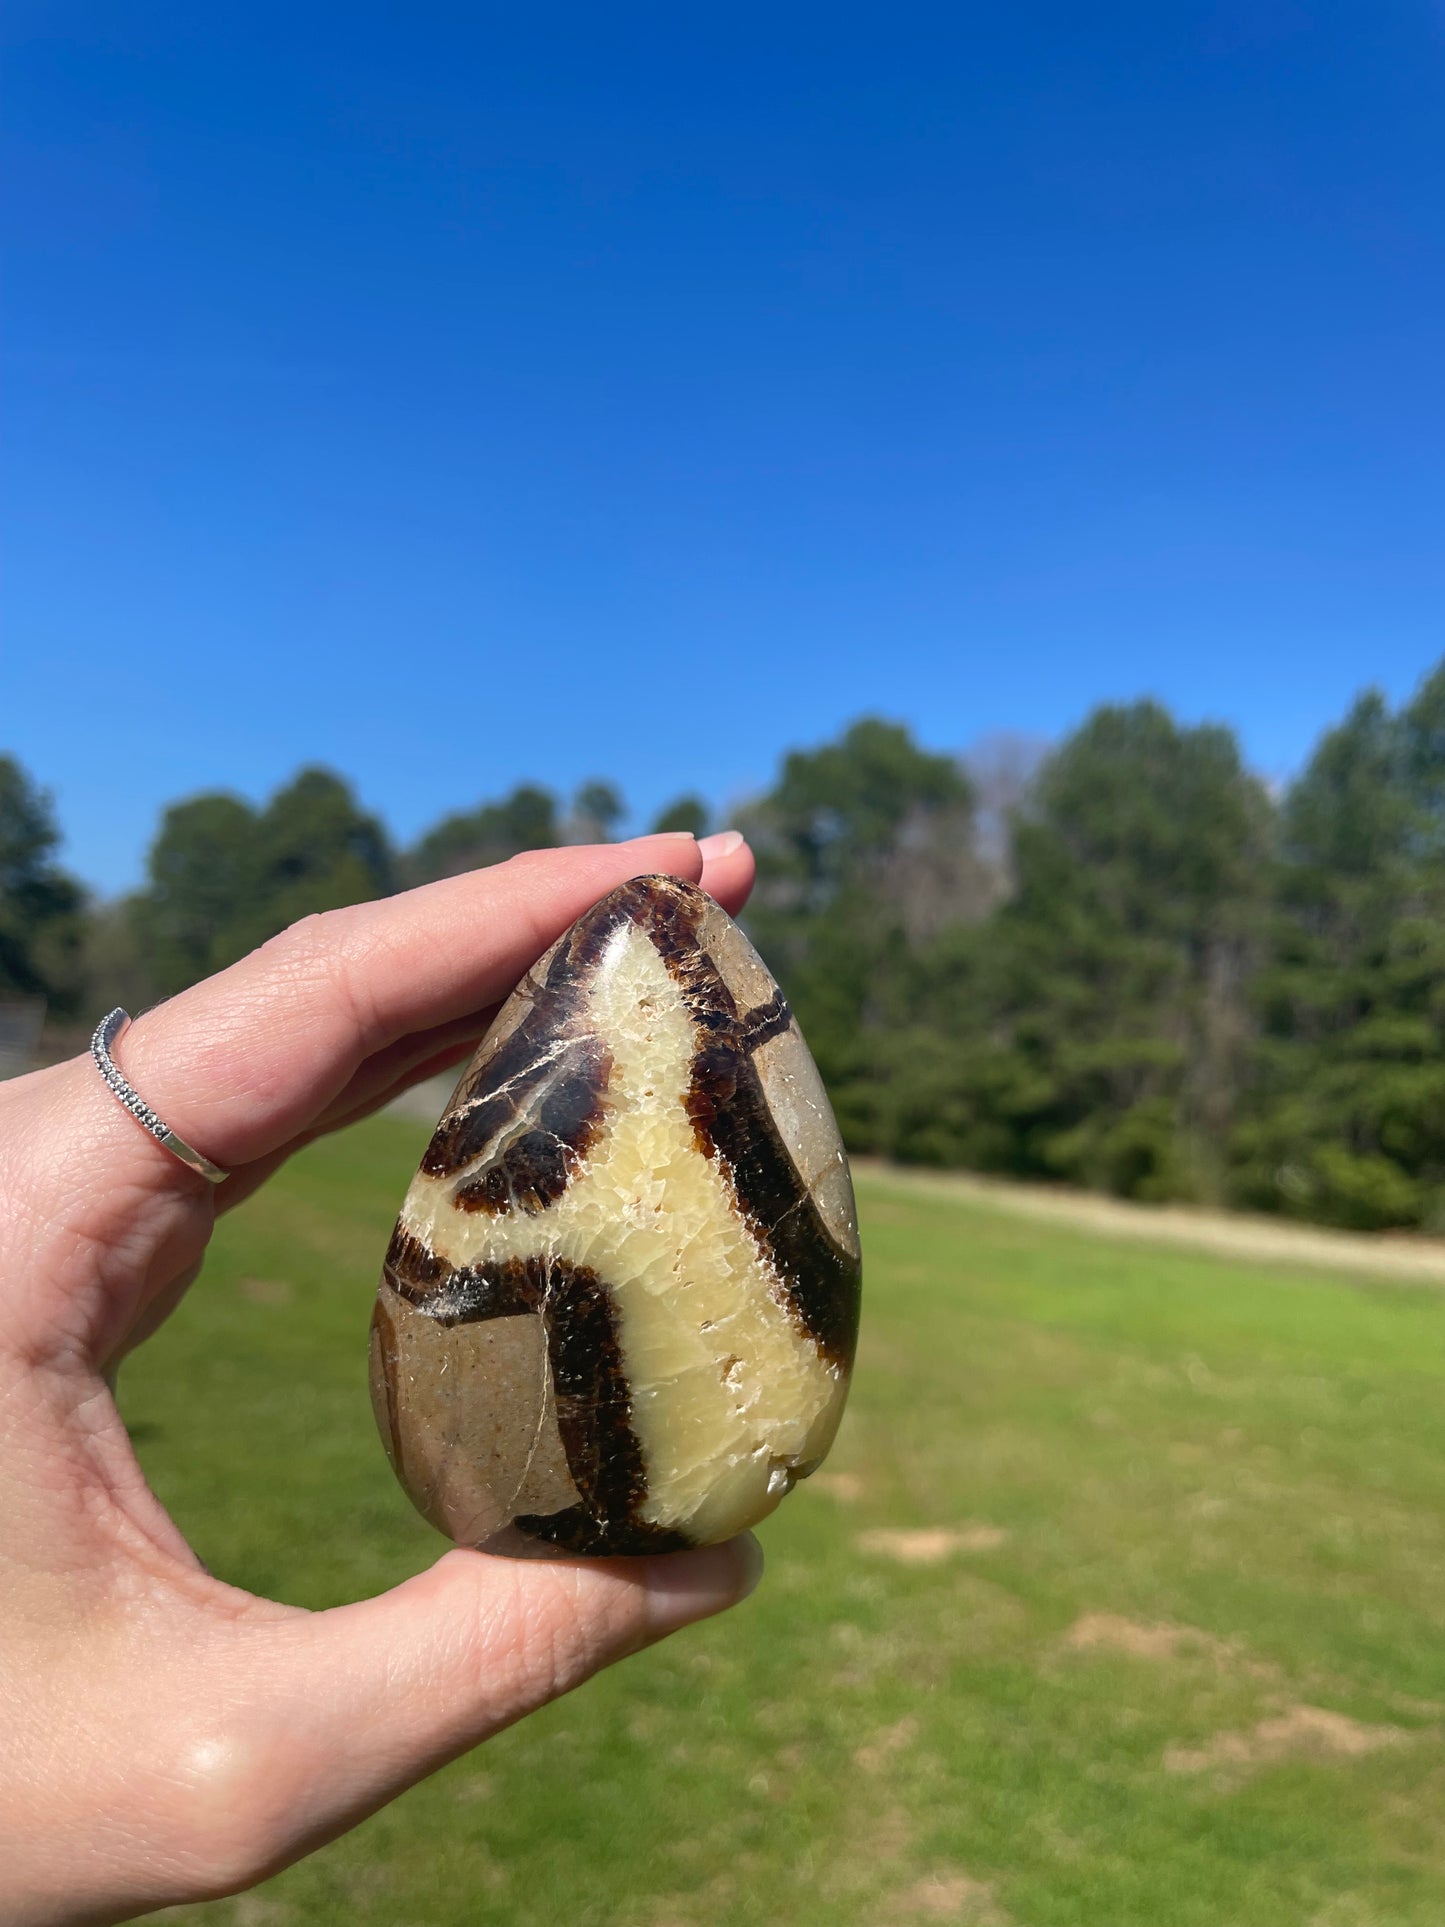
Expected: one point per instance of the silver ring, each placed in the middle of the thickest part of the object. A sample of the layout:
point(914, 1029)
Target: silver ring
point(106, 1032)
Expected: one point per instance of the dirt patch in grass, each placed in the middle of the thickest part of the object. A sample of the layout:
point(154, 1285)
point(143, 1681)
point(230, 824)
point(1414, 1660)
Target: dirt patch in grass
point(1348, 1910)
point(253, 1910)
point(267, 1291)
point(1300, 1732)
point(1112, 1633)
point(891, 1836)
point(929, 1545)
point(882, 1858)
point(846, 1487)
point(951, 1895)
point(882, 1747)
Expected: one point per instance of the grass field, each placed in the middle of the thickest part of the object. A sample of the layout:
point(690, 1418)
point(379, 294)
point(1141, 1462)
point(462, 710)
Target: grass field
point(1121, 1600)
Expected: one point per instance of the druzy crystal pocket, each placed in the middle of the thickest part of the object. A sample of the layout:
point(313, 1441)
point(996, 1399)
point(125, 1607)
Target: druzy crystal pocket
point(619, 1309)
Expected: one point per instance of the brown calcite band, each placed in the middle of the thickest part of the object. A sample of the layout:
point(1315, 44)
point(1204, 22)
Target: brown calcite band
point(619, 1310)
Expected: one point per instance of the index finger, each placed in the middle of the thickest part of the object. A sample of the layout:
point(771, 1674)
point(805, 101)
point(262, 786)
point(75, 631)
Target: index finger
point(242, 1063)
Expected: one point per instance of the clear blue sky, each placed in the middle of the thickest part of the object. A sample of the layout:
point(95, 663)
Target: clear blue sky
point(460, 394)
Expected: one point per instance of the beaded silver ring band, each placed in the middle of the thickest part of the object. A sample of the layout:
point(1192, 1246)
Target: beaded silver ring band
point(106, 1032)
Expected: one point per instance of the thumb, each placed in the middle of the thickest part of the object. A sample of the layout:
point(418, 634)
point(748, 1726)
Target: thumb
point(360, 1701)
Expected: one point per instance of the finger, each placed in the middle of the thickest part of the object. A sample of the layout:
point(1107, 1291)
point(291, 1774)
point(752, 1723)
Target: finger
point(246, 1061)
point(727, 875)
point(727, 869)
point(367, 1093)
point(359, 1702)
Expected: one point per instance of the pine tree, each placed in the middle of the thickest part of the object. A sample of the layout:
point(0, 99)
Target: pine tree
point(42, 910)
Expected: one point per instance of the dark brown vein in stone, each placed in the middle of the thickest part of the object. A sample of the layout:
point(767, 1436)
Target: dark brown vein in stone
point(734, 1123)
point(590, 1388)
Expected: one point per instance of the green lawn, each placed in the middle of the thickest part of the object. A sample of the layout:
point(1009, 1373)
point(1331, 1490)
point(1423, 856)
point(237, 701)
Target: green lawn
point(1121, 1600)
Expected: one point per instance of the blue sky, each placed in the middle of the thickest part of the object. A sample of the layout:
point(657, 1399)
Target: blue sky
point(462, 394)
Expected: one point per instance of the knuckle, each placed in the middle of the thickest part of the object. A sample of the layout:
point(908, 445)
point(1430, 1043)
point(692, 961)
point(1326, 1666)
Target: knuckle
point(293, 937)
point(324, 951)
point(523, 1632)
point(302, 948)
point(527, 862)
point(561, 1631)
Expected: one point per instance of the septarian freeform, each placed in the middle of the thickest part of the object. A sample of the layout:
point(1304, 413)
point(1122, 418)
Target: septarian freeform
point(619, 1310)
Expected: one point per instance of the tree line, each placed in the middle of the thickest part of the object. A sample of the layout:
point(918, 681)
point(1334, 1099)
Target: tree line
point(1123, 964)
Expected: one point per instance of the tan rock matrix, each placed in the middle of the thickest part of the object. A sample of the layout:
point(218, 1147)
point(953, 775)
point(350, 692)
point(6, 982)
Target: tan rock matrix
point(619, 1310)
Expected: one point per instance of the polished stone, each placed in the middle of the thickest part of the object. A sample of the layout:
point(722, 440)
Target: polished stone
point(619, 1310)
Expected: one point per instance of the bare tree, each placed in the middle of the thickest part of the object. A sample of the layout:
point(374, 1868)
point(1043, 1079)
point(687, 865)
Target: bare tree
point(1001, 766)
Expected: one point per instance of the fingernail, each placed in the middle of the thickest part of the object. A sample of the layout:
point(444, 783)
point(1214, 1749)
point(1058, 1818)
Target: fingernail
point(723, 844)
point(687, 1586)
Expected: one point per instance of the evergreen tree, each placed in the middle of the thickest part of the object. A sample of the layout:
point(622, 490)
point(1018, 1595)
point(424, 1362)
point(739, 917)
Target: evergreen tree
point(597, 809)
point(225, 877)
point(472, 839)
point(42, 920)
point(1117, 973)
point(1095, 1027)
point(203, 878)
point(316, 849)
point(863, 844)
point(1347, 1121)
point(688, 813)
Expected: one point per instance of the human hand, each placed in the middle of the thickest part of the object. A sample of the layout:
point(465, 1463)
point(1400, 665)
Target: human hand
point(164, 1736)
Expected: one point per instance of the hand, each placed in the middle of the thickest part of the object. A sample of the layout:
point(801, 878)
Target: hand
point(163, 1736)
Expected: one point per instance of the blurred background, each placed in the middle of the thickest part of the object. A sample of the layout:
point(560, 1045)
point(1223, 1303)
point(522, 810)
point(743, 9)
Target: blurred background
point(993, 456)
